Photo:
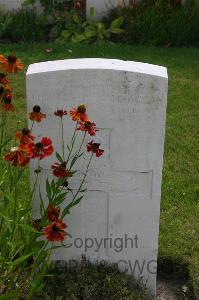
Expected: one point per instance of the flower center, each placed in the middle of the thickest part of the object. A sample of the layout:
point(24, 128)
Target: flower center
point(55, 228)
point(39, 146)
point(81, 109)
point(1, 89)
point(60, 112)
point(2, 76)
point(12, 59)
point(37, 108)
point(88, 124)
point(96, 145)
point(63, 166)
point(25, 131)
point(65, 184)
point(7, 100)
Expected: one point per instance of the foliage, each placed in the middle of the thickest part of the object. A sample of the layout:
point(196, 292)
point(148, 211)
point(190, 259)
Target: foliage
point(25, 243)
point(62, 20)
point(84, 280)
point(159, 24)
point(91, 281)
point(26, 26)
point(52, 6)
point(5, 20)
point(77, 30)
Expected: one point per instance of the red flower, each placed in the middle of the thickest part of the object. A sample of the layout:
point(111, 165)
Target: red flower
point(36, 114)
point(7, 105)
point(79, 114)
point(55, 232)
point(18, 156)
point(59, 170)
point(94, 147)
point(60, 113)
point(1, 90)
point(4, 89)
point(3, 78)
point(77, 5)
point(41, 149)
point(53, 213)
point(11, 64)
point(88, 127)
point(25, 136)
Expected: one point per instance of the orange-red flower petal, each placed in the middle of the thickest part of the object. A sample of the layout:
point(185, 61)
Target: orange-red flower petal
point(18, 157)
point(94, 147)
point(25, 136)
point(6, 102)
point(53, 212)
point(11, 64)
point(41, 149)
point(89, 127)
point(54, 232)
point(60, 170)
point(79, 113)
point(36, 115)
point(60, 113)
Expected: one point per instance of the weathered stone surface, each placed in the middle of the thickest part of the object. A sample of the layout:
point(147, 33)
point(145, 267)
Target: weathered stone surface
point(16, 4)
point(128, 102)
point(102, 7)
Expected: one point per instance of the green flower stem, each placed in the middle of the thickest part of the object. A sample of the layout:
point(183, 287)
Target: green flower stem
point(38, 274)
point(80, 148)
point(78, 153)
point(32, 125)
point(83, 180)
point(4, 119)
point(62, 136)
point(15, 207)
point(72, 143)
point(3, 127)
point(36, 181)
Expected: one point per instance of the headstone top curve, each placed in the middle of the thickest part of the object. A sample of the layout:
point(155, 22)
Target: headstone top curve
point(97, 64)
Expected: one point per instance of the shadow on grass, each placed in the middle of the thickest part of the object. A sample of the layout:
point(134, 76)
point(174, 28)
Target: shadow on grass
point(177, 274)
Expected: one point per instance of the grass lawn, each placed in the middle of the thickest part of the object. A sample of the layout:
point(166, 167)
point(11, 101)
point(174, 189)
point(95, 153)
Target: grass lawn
point(179, 227)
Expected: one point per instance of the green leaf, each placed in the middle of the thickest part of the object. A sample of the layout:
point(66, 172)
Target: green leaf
point(9, 296)
point(5, 143)
point(38, 245)
point(27, 228)
point(75, 158)
point(76, 19)
point(116, 30)
point(59, 157)
point(69, 206)
point(6, 218)
point(92, 12)
point(89, 33)
point(53, 186)
point(41, 208)
point(117, 23)
point(101, 27)
point(48, 190)
point(20, 259)
point(58, 200)
point(78, 38)
point(66, 35)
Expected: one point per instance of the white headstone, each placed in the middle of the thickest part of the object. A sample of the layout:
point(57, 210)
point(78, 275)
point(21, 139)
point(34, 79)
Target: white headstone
point(17, 4)
point(128, 101)
point(102, 7)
